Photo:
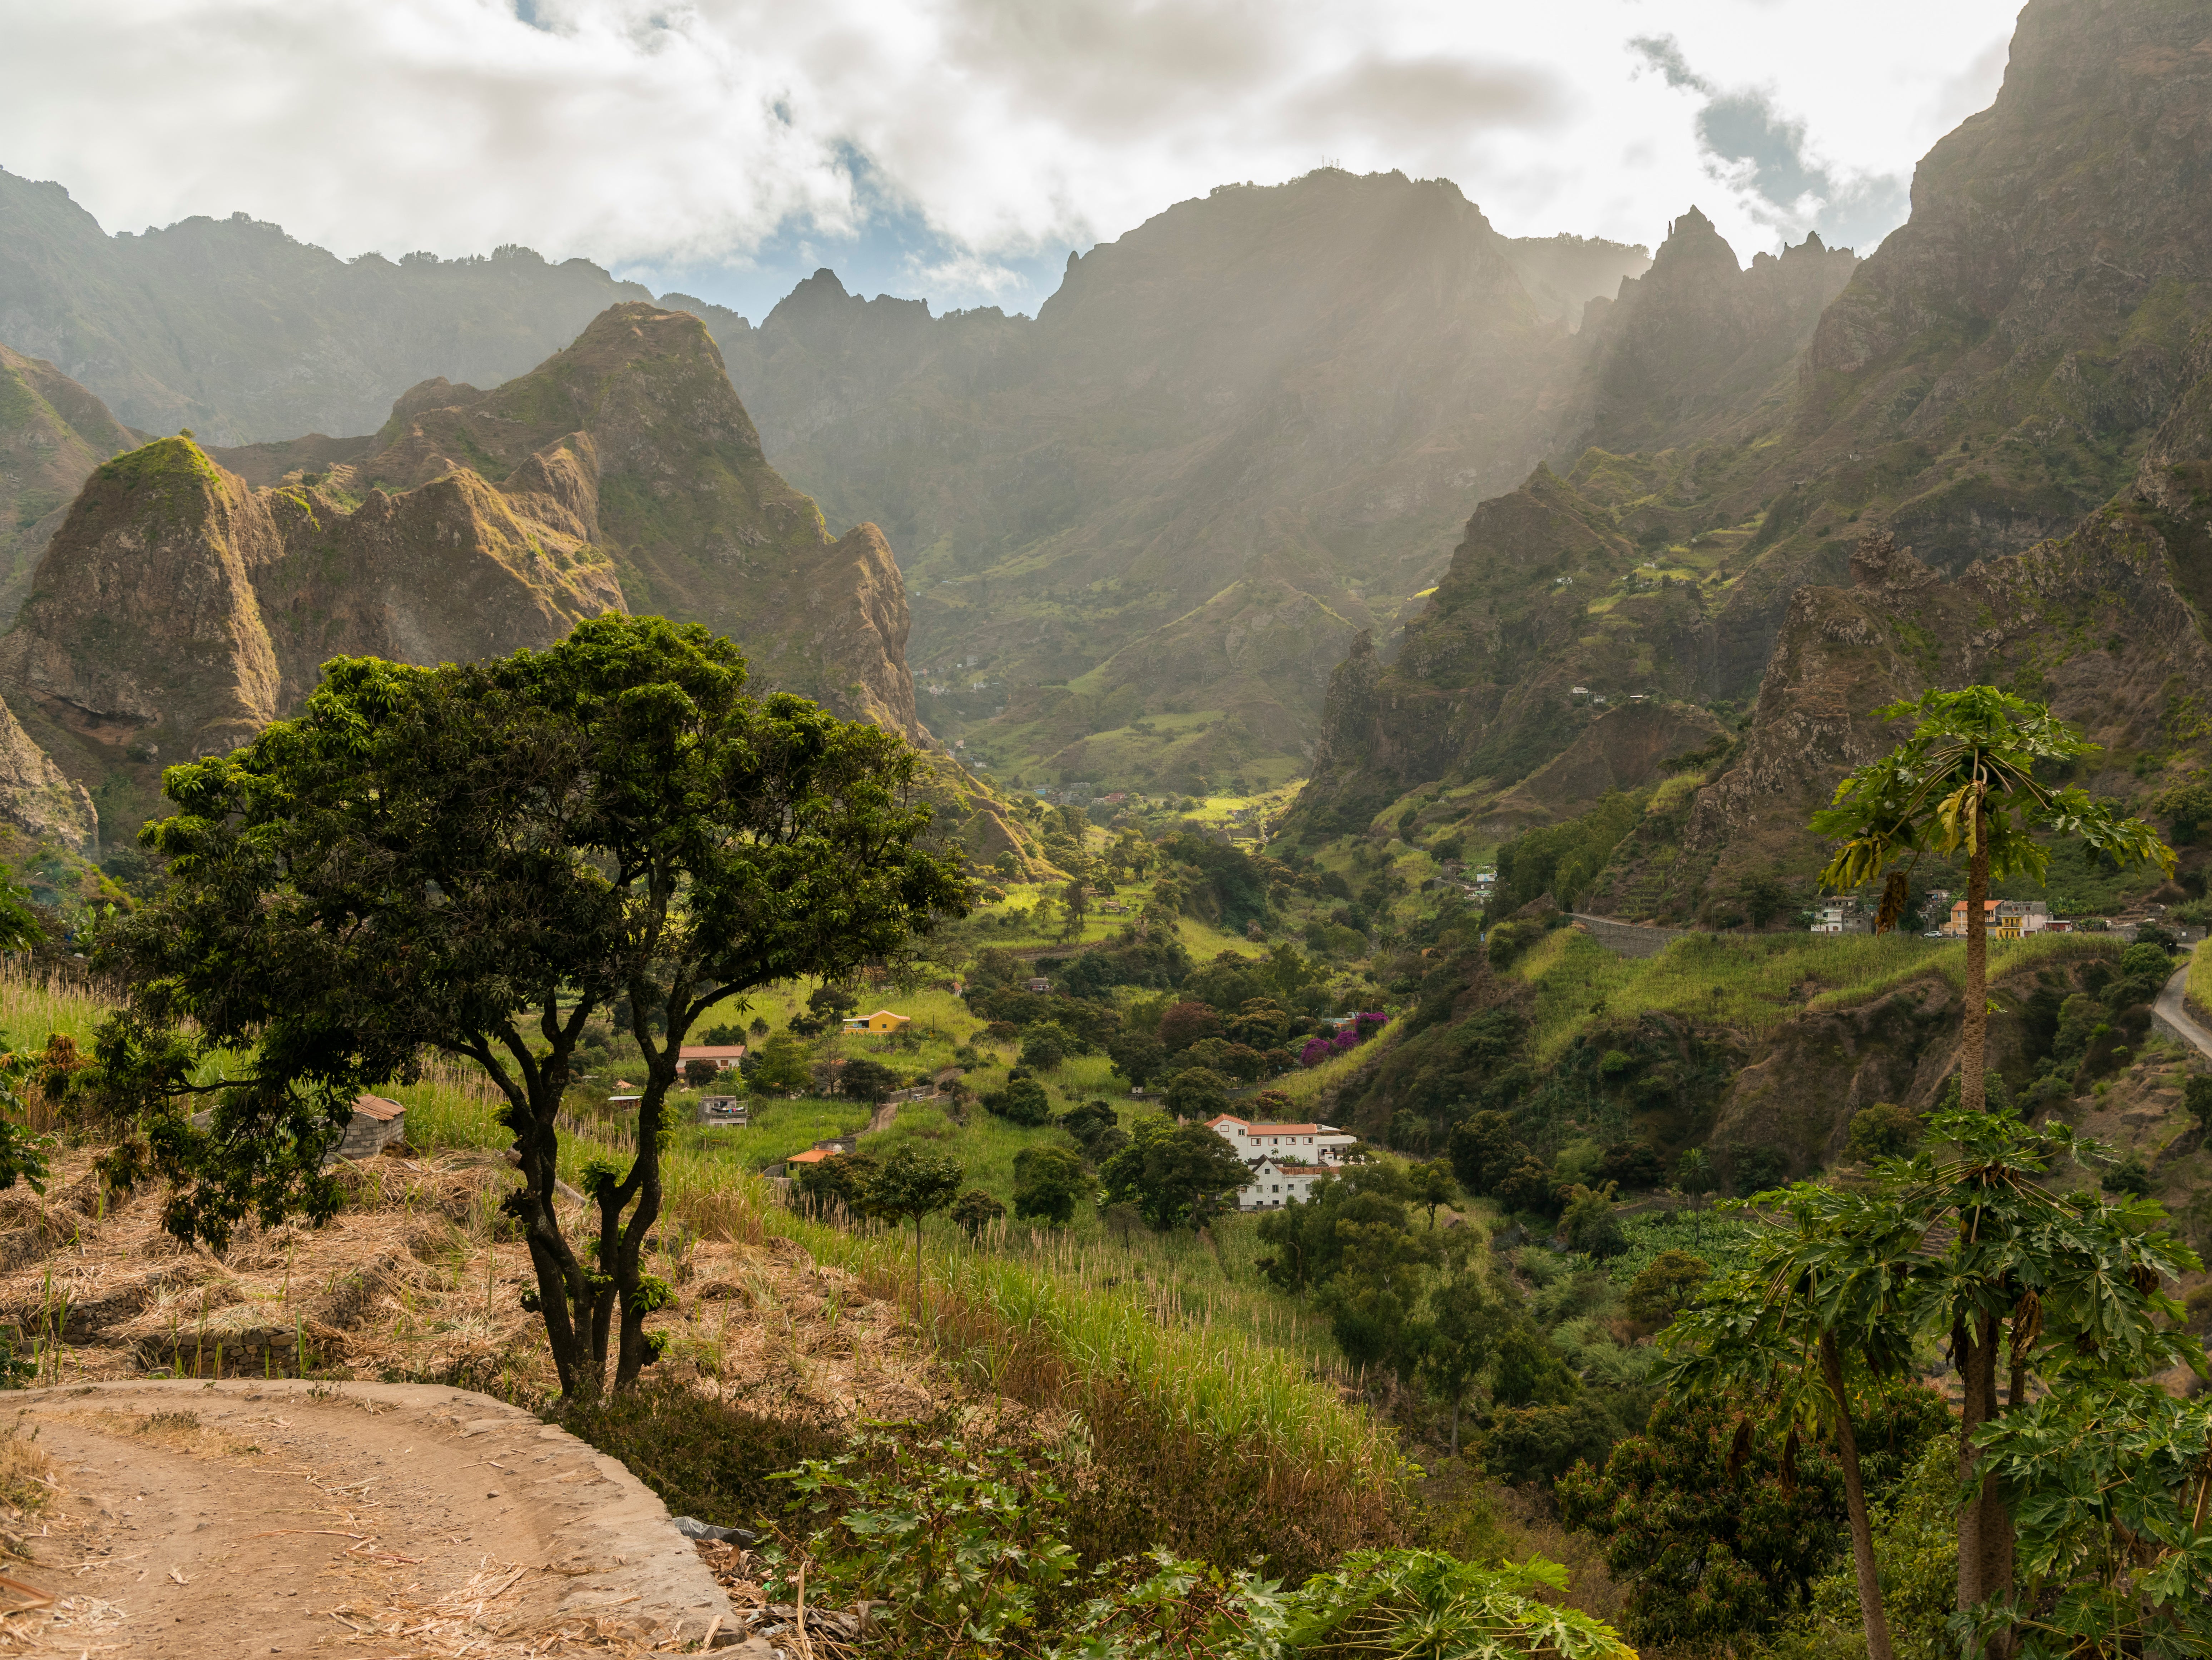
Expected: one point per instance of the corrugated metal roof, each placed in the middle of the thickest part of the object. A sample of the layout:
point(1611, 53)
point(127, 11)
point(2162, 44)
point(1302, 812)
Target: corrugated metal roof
point(376, 1107)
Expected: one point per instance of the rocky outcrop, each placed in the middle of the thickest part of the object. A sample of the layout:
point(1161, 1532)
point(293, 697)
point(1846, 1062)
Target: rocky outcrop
point(2094, 625)
point(634, 438)
point(1548, 617)
point(1622, 749)
point(181, 608)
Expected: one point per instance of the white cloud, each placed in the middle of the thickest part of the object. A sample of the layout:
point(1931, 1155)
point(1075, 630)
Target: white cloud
point(987, 136)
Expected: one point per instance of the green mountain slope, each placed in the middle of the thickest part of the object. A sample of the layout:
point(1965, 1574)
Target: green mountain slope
point(53, 433)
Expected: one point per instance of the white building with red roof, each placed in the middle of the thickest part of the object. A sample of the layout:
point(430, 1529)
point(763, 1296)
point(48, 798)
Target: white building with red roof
point(1297, 1144)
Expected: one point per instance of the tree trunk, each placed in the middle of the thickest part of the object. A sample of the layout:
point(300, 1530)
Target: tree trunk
point(1973, 1046)
point(1455, 1445)
point(1985, 1538)
point(1847, 1454)
point(638, 1295)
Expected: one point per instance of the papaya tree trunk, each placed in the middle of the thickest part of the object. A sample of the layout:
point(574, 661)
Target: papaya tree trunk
point(1985, 1537)
point(1847, 1454)
point(1973, 1048)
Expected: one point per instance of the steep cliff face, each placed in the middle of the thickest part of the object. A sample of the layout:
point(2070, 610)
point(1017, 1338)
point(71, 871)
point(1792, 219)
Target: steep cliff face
point(181, 607)
point(635, 439)
point(53, 433)
point(2094, 623)
point(1994, 370)
point(1296, 389)
point(179, 610)
point(1697, 343)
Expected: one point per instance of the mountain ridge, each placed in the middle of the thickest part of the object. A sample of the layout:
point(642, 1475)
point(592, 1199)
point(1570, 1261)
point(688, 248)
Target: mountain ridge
point(182, 606)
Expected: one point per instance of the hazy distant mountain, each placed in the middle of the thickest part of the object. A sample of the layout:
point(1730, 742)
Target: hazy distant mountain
point(230, 327)
point(1152, 519)
point(190, 596)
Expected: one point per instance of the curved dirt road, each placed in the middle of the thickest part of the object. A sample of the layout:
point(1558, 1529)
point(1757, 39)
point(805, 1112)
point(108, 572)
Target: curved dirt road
point(196, 1520)
point(2172, 1009)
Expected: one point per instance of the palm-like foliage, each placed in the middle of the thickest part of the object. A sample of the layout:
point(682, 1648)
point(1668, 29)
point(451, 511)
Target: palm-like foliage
point(1964, 782)
point(1966, 1243)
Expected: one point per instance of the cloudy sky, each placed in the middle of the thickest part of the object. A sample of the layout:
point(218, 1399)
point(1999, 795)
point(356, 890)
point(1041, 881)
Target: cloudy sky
point(957, 150)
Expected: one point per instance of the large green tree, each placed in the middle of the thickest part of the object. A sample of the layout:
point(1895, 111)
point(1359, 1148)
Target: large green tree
point(1174, 1173)
point(476, 860)
point(1964, 782)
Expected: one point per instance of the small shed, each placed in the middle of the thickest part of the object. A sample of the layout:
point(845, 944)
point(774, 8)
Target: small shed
point(721, 1109)
point(375, 1124)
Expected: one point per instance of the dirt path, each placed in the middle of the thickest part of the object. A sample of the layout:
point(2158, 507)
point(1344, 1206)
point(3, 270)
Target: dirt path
point(2171, 1010)
point(204, 1519)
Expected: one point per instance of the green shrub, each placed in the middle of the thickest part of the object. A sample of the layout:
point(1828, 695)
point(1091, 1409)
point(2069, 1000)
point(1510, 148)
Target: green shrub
point(1048, 1183)
point(1021, 1102)
point(1664, 1288)
point(968, 1553)
point(1884, 1130)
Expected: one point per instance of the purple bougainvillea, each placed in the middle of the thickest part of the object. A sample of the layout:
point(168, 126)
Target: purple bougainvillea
point(1317, 1049)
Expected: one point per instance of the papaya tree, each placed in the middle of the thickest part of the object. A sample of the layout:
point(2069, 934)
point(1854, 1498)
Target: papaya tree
point(1965, 1243)
point(474, 859)
point(1964, 782)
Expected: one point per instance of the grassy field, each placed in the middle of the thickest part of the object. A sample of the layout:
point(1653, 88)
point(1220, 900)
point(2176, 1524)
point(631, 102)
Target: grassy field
point(2199, 993)
point(1175, 1330)
point(1753, 982)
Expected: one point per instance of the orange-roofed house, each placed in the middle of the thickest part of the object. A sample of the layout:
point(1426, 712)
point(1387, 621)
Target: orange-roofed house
point(724, 1055)
point(1300, 1144)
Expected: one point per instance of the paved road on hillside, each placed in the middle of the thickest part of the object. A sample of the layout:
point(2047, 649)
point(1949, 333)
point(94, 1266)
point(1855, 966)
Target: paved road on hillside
point(2172, 1011)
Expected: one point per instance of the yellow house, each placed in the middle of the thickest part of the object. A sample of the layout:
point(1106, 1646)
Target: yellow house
point(882, 1020)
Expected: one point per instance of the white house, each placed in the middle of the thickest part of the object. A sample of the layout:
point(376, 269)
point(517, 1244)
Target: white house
point(1274, 1185)
point(1841, 915)
point(1301, 1144)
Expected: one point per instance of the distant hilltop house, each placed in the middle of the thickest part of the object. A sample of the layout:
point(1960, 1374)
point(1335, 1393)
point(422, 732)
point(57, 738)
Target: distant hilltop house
point(883, 1020)
point(724, 1055)
point(1037, 983)
point(2008, 919)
